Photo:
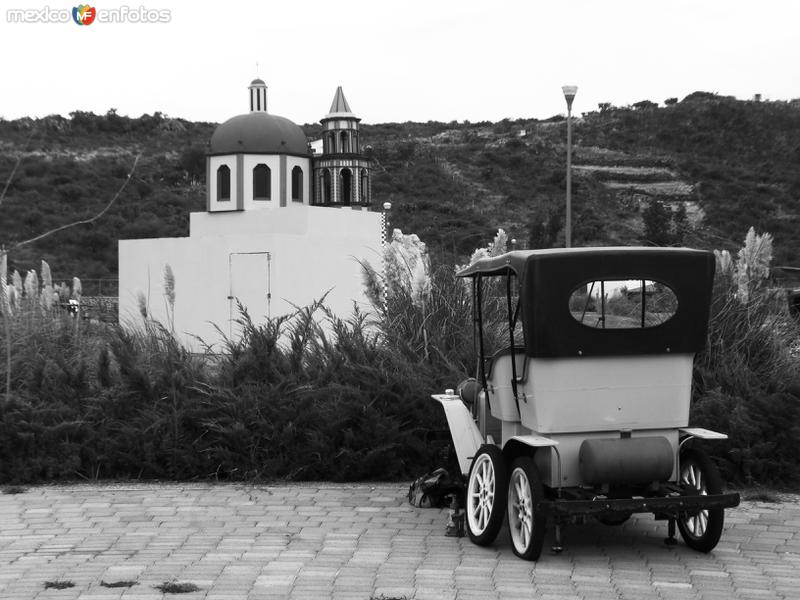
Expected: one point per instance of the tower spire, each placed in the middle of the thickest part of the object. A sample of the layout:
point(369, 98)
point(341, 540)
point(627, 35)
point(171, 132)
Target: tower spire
point(339, 106)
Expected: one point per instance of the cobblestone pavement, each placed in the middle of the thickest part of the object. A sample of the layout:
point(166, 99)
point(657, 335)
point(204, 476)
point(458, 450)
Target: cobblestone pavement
point(358, 542)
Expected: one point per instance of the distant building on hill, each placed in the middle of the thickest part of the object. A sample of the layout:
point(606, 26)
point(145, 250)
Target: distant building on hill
point(283, 226)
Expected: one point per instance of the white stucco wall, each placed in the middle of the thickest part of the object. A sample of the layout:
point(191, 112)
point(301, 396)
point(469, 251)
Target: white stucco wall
point(305, 164)
point(250, 161)
point(215, 162)
point(311, 250)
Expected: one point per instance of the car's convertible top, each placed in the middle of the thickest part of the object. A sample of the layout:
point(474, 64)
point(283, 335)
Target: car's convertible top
point(548, 279)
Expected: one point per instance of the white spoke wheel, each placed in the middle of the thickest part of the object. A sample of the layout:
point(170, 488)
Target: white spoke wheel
point(701, 531)
point(526, 524)
point(486, 495)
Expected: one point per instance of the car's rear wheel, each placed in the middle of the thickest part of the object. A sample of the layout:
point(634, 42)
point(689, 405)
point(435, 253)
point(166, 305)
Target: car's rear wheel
point(701, 531)
point(486, 495)
point(526, 523)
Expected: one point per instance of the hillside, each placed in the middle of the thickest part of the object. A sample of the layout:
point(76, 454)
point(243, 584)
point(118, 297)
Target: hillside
point(718, 165)
point(730, 164)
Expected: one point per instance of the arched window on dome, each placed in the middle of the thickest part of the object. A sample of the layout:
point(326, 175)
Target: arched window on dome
point(332, 143)
point(262, 182)
point(297, 184)
point(345, 142)
point(223, 183)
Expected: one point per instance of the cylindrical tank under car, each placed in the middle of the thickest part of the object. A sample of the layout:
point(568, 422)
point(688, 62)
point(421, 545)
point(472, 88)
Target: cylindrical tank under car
point(626, 460)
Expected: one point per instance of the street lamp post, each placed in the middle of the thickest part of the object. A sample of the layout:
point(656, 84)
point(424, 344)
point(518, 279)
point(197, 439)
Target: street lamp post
point(569, 95)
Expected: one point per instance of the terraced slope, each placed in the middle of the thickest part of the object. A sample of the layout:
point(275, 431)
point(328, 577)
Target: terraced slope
point(732, 164)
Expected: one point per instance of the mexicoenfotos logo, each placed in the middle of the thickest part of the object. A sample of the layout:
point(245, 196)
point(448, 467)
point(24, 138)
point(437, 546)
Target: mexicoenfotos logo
point(84, 14)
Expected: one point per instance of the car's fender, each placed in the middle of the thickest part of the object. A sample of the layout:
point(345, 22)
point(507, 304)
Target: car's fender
point(465, 433)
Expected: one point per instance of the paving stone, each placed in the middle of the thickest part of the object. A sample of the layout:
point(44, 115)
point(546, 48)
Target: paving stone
point(360, 541)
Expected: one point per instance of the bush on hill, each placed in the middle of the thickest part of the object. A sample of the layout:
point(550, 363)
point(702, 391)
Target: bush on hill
point(444, 179)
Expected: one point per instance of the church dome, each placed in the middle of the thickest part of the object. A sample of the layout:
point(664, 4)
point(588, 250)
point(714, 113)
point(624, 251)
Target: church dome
point(259, 133)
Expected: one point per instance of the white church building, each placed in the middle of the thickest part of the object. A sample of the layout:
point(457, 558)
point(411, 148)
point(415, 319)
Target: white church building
point(282, 227)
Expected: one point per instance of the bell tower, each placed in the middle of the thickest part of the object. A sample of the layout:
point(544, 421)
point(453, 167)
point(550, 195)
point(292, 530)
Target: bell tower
point(258, 96)
point(342, 175)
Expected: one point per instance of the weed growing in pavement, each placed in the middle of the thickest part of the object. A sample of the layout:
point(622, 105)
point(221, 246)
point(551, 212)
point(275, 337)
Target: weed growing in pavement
point(117, 584)
point(176, 587)
point(761, 496)
point(59, 584)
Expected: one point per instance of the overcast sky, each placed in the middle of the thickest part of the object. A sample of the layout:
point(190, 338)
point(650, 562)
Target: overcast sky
point(415, 60)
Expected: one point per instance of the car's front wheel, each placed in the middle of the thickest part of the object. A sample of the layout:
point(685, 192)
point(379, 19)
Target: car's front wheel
point(701, 531)
point(486, 495)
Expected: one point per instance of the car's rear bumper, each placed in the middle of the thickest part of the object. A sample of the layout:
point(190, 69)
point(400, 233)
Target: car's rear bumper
point(662, 506)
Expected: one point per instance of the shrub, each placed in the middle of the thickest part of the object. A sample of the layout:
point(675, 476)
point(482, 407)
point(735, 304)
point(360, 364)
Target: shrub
point(310, 396)
point(315, 396)
point(747, 381)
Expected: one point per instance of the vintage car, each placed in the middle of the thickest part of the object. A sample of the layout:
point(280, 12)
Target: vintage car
point(580, 407)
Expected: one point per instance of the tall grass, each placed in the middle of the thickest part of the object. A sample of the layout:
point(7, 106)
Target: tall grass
point(309, 396)
point(318, 397)
point(747, 384)
point(45, 416)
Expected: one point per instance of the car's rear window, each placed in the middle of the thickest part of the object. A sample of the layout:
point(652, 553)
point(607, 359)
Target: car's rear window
point(623, 304)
